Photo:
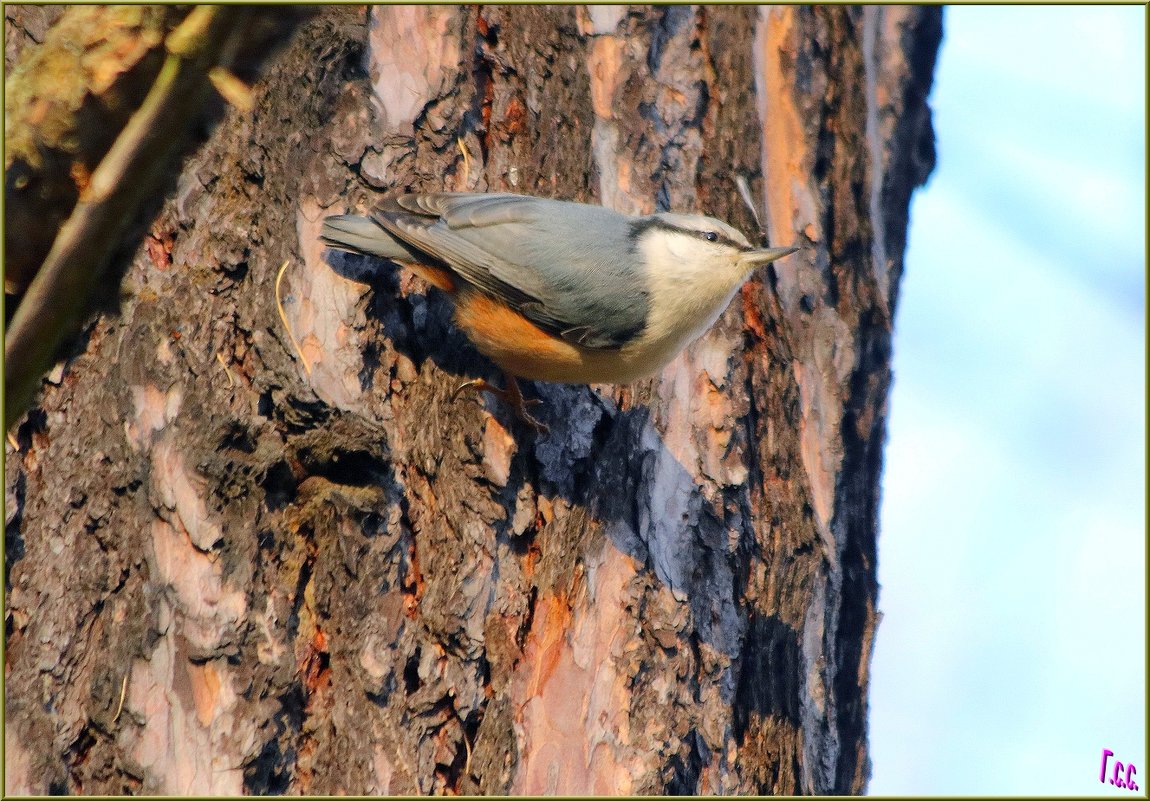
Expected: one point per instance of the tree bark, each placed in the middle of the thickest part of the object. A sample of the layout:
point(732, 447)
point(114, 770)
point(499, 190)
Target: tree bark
point(250, 557)
point(97, 122)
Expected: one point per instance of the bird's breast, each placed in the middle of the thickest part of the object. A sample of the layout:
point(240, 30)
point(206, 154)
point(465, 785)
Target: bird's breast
point(525, 350)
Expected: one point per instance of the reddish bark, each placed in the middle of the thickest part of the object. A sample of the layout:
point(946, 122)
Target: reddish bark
point(311, 571)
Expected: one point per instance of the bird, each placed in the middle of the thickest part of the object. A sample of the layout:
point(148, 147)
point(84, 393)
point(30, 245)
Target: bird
point(560, 291)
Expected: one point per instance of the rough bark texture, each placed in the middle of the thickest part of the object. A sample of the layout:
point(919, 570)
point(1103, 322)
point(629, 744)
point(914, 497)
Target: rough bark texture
point(237, 564)
point(56, 131)
point(97, 121)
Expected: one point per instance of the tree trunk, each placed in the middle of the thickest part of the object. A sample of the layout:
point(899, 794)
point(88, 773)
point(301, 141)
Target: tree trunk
point(250, 557)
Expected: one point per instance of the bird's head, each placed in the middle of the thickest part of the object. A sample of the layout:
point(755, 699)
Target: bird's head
point(693, 245)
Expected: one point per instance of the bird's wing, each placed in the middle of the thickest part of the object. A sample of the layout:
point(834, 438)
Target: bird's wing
point(565, 266)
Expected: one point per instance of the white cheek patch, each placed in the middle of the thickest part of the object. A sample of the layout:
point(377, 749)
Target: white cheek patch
point(681, 248)
point(688, 288)
point(677, 248)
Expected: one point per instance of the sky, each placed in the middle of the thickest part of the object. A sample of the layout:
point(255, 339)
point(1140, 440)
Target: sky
point(1012, 552)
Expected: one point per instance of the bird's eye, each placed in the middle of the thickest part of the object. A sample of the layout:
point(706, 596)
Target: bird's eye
point(710, 236)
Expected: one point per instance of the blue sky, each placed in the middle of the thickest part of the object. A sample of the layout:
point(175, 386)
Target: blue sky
point(1012, 552)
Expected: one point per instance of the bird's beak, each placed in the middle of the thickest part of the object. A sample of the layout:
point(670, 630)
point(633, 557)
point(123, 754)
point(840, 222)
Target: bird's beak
point(754, 258)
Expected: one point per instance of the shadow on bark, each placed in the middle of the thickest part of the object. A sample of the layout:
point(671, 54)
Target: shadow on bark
point(595, 458)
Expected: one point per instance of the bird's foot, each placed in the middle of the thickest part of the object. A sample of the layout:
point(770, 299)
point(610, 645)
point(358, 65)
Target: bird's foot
point(512, 396)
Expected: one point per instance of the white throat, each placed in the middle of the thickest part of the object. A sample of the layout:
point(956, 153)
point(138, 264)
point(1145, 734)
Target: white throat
point(686, 297)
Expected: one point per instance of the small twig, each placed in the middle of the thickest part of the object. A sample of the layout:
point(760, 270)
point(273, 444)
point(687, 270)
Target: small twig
point(223, 364)
point(189, 35)
point(463, 732)
point(123, 694)
point(745, 193)
point(466, 160)
point(287, 325)
point(466, 745)
point(232, 89)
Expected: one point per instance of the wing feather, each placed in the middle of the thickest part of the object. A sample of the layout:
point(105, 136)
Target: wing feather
point(534, 255)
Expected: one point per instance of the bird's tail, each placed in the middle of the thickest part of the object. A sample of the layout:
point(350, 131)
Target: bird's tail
point(364, 235)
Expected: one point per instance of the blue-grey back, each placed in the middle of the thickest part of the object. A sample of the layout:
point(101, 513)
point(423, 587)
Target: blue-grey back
point(569, 267)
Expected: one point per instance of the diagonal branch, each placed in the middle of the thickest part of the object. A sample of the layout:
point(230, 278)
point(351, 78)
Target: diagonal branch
point(134, 170)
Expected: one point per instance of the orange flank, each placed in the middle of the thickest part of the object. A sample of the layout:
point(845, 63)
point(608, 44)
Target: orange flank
point(436, 276)
point(516, 344)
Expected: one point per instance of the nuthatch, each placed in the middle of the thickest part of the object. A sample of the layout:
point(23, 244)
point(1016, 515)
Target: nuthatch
point(558, 291)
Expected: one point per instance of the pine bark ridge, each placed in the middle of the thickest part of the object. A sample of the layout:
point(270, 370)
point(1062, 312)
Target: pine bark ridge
point(342, 582)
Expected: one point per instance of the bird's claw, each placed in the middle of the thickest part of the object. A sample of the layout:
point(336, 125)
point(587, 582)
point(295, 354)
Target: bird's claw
point(512, 396)
point(531, 422)
point(478, 384)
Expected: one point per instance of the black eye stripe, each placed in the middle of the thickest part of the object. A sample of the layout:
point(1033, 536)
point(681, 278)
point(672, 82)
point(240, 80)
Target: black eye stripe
point(706, 236)
point(714, 236)
point(648, 223)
